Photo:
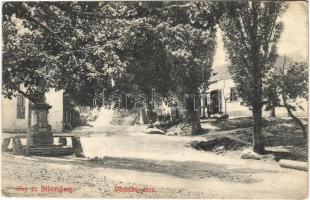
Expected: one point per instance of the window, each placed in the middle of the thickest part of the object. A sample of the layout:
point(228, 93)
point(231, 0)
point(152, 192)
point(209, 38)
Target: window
point(233, 94)
point(20, 107)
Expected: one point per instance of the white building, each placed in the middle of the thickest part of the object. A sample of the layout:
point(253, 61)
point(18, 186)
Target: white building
point(61, 116)
point(222, 97)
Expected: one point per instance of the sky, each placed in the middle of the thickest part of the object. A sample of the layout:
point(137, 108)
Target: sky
point(294, 38)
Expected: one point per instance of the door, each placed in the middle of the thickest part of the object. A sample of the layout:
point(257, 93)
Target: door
point(216, 104)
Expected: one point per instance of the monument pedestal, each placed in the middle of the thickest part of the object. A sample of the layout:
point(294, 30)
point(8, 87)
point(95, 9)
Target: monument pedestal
point(41, 131)
point(40, 140)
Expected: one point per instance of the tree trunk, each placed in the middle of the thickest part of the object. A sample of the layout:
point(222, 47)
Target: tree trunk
point(258, 141)
point(195, 120)
point(150, 114)
point(297, 121)
point(273, 112)
point(29, 137)
point(144, 115)
point(257, 105)
point(193, 112)
point(204, 109)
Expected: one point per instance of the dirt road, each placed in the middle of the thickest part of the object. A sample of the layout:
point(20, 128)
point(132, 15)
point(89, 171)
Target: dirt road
point(161, 165)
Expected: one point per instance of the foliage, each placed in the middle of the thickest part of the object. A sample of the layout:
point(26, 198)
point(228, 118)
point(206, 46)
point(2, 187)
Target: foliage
point(291, 81)
point(288, 78)
point(147, 64)
point(251, 33)
point(60, 44)
point(64, 44)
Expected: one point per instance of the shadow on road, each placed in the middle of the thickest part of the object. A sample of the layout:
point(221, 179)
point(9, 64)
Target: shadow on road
point(194, 170)
point(182, 169)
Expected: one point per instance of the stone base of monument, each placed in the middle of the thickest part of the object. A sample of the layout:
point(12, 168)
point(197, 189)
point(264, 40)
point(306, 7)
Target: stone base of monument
point(50, 150)
point(53, 150)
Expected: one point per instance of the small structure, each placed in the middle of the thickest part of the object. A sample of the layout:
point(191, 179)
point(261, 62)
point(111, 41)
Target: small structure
point(40, 139)
point(222, 97)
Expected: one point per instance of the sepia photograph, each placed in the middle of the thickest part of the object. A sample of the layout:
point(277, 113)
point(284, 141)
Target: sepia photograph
point(154, 99)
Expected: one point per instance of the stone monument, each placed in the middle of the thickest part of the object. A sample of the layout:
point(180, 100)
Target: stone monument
point(41, 133)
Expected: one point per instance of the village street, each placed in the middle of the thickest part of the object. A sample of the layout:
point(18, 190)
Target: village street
point(155, 99)
point(124, 156)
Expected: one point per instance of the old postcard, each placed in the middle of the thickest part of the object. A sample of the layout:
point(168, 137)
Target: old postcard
point(155, 99)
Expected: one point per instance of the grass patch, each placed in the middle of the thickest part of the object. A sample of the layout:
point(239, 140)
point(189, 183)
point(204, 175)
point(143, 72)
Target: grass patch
point(277, 133)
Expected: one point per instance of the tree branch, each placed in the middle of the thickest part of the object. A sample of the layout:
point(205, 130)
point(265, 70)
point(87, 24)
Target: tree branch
point(25, 94)
point(27, 14)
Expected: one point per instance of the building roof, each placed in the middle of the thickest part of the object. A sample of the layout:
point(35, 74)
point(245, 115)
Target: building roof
point(221, 72)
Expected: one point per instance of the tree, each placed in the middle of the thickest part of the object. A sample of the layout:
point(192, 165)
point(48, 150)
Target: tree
point(251, 32)
point(64, 44)
point(291, 81)
point(146, 58)
point(190, 41)
point(170, 45)
point(191, 51)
